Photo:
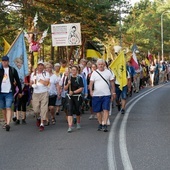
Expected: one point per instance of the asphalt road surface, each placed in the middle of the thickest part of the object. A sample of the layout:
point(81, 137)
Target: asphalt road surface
point(138, 140)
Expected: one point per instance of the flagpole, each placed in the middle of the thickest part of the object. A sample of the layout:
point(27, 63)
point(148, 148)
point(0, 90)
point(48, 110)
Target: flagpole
point(14, 41)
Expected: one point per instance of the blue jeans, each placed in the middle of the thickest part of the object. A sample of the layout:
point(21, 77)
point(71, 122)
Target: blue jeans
point(6, 100)
point(121, 93)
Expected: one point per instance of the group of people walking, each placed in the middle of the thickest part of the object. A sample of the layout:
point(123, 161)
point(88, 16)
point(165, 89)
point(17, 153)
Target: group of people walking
point(50, 87)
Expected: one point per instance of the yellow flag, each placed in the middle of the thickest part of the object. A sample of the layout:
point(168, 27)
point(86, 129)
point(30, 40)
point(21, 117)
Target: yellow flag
point(147, 62)
point(105, 55)
point(118, 66)
point(6, 46)
point(92, 51)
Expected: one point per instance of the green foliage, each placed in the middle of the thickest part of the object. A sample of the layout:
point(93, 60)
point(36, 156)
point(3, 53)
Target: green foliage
point(143, 26)
point(97, 17)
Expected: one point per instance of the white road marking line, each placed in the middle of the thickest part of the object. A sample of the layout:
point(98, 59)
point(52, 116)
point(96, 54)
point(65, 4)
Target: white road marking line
point(122, 133)
point(110, 148)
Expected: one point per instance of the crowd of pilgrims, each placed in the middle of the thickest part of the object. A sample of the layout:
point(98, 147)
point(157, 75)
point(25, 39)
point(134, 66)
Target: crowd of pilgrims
point(59, 76)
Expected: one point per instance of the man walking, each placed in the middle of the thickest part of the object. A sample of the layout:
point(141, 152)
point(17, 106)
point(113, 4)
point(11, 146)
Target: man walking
point(103, 92)
point(40, 81)
point(8, 77)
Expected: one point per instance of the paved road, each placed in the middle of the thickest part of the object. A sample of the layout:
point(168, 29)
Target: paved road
point(138, 140)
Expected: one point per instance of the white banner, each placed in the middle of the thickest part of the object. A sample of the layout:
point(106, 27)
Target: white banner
point(66, 34)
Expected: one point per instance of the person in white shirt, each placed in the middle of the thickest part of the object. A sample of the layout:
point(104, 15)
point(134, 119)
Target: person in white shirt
point(86, 69)
point(103, 92)
point(54, 92)
point(40, 81)
point(8, 76)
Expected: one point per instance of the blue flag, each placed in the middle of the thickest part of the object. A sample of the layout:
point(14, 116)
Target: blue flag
point(18, 56)
point(134, 48)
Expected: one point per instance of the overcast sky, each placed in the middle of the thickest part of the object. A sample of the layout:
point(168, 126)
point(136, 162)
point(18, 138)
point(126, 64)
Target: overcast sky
point(134, 1)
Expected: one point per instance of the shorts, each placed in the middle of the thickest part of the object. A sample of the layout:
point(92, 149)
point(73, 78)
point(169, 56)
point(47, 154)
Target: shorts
point(52, 100)
point(121, 93)
point(6, 100)
point(74, 105)
point(100, 103)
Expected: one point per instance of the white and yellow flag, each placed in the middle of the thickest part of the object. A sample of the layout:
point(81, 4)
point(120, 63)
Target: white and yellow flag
point(118, 66)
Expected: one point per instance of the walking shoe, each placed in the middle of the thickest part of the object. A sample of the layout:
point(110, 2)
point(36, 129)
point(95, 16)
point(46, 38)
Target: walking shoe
point(91, 117)
point(119, 107)
point(17, 122)
point(57, 113)
point(7, 127)
point(100, 127)
point(38, 122)
point(105, 128)
point(23, 122)
point(108, 122)
point(4, 126)
point(78, 126)
point(95, 117)
point(122, 111)
point(14, 119)
point(41, 128)
point(69, 130)
point(74, 120)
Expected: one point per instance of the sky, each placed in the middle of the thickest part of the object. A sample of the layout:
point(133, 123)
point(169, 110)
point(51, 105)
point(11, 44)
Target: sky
point(134, 1)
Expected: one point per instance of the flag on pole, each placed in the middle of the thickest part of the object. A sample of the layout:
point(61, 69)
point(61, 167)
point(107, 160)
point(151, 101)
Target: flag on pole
point(105, 55)
point(150, 57)
point(92, 51)
point(134, 61)
point(6, 46)
point(18, 56)
point(147, 62)
point(118, 66)
point(35, 59)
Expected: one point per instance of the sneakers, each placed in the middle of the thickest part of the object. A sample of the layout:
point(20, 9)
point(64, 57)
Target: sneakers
point(91, 117)
point(122, 111)
point(7, 127)
point(100, 127)
point(24, 122)
point(14, 119)
point(38, 122)
point(69, 130)
point(105, 128)
point(95, 117)
point(78, 126)
point(4, 126)
point(41, 128)
point(108, 122)
point(17, 122)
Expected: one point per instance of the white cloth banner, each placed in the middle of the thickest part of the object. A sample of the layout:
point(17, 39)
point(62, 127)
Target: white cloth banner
point(66, 34)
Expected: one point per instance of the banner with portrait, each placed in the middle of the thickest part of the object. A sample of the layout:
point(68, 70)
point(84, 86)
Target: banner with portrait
point(66, 34)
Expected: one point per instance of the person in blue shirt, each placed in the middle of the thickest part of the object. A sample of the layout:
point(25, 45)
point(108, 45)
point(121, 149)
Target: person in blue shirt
point(132, 73)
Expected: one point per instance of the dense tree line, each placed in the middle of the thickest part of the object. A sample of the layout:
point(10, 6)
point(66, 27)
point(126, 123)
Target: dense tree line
point(100, 19)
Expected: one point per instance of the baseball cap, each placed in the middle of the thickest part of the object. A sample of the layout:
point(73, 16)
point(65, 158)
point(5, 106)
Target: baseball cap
point(57, 64)
point(41, 62)
point(5, 58)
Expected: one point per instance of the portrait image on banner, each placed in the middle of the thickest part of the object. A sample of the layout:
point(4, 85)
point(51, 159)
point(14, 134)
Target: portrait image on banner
point(66, 34)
